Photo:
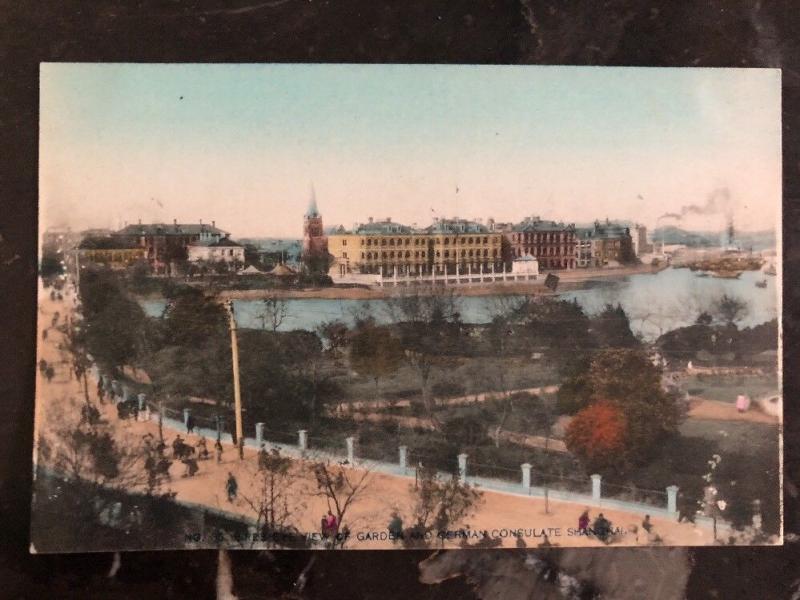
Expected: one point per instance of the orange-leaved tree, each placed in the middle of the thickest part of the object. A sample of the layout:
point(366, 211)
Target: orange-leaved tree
point(597, 435)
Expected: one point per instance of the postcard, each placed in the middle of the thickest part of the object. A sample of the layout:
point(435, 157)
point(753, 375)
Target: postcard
point(396, 306)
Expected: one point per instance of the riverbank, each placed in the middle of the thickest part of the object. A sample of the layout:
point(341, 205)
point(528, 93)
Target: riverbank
point(568, 281)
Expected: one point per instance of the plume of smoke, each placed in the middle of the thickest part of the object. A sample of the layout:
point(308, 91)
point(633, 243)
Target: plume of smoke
point(718, 202)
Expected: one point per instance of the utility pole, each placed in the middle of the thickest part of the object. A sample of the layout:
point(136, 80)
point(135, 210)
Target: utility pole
point(237, 393)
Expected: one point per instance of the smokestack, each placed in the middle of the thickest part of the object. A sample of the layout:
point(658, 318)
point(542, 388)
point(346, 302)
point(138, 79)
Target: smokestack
point(174, 221)
point(213, 223)
point(370, 219)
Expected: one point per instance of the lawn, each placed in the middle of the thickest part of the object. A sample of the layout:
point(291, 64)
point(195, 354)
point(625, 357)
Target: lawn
point(725, 388)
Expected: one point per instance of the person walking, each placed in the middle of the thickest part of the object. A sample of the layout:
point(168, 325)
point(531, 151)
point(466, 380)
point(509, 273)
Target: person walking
point(395, 527)
point(177, 447)
point(189, 424)
point(331, 523)
point(323, 527)
point(263, 457)
point(191, 466)
point(231, 487)
point(202, 449)
point(583, 523)
point(647, 525)
point(218, 450)
point(602, 528)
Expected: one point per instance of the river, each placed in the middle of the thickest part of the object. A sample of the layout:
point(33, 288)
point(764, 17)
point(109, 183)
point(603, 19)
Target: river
point(655, 302)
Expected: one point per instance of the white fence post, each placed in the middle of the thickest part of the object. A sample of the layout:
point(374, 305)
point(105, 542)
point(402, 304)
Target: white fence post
point(462, 468)
point(672, 499)
point(526, 477)
point(302, 440)
point(351, 454)
point(259, 434)
point(596, 483)
point(403, 458)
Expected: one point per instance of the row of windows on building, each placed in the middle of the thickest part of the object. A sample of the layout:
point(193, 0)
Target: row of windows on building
point(545, 251)
point(421, 254)
point(543, 237)
point(420, 241)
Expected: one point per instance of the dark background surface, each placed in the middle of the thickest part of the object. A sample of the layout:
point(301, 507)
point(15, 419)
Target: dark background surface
point(738, 33)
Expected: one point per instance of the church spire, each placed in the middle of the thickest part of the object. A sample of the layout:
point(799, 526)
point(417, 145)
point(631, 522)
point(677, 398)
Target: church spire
point(312, 205)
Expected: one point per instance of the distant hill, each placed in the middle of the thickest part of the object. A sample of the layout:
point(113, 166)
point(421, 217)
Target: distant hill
point(757, 240)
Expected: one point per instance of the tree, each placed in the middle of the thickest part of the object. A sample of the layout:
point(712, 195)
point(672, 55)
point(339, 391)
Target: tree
point(440, 506)
point(560, 328)
point(611, 328)
point(271, 495)
point(730, 309)
point(597, 435)
point(273, 312)
point(99, 466)
point(341, 488)
point(376, 353)
point(139, 273)
point(335, 336)
point(575, 389)
point(704, 318)
point(192, 319)
point(465, 431)
point(430, 334)
point(51, 264)
point(628, 379)
point(114, 329)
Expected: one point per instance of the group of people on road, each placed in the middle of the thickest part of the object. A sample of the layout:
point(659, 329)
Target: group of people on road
point(603, 529)
point(47, 370)
point(189, 455)
point(155, 463)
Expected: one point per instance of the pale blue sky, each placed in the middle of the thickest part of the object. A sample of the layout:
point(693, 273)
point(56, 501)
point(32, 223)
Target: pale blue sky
point(242, 144)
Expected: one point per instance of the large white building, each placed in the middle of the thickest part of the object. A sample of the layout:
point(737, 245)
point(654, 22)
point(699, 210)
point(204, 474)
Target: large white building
point(214, 250)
